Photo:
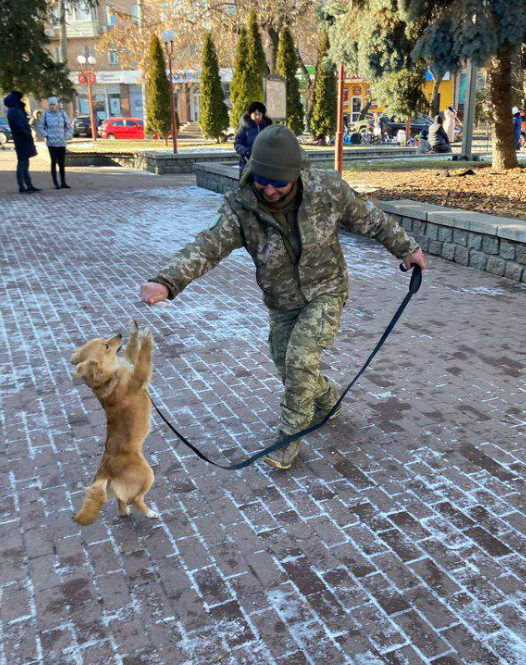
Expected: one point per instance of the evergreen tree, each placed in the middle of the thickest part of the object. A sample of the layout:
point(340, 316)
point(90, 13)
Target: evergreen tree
point(213, 116)
point(257, 65)
point(287, 67)
point(323, 114)
point(240, 89)
point(25, 62)
point(159, 111)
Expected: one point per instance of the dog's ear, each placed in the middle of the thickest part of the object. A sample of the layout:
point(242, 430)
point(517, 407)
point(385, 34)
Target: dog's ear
point(86, 370)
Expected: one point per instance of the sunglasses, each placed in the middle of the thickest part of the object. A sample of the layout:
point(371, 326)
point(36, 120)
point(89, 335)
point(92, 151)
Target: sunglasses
point(277, 184)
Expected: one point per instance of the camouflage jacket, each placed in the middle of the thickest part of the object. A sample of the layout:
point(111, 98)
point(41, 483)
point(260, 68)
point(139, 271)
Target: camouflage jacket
point(242, 222)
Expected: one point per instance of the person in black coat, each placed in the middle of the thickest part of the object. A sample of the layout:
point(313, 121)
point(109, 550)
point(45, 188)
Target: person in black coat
point(23, 140)
point(437, 136)
point(253, 122)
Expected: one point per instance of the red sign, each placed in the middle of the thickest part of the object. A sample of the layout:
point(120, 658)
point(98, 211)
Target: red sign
point(357, 91)
point(87, 77)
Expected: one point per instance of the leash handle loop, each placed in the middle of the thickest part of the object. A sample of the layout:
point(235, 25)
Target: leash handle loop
point(416, 277)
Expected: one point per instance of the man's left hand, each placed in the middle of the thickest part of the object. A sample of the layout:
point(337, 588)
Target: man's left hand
point(418, 258)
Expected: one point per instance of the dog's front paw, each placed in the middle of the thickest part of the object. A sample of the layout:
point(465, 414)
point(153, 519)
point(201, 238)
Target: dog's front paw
point(146, 336)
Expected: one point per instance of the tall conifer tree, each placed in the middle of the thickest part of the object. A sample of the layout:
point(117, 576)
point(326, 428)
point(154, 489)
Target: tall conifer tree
point(287, 67)
point(323, 115)
point(213, 115)
point(239, 89)
point(257, 65)
point(159, 112)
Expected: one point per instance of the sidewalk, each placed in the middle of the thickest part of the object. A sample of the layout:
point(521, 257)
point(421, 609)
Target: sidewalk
point(399, 537)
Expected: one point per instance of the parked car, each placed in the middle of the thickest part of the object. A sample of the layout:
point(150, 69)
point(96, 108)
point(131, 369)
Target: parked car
point(391, 126)
point(122, 128)
point(82, 125)
point(5, 131)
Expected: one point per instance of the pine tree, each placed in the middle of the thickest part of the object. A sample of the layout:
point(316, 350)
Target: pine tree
point(213, 115)
point(287, 67)
point(240, 89)
point(25, 62)
point(159, 112)
point(257, 65)
point(323, 114)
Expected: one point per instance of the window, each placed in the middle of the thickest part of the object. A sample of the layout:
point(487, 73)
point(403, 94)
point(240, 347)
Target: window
point(57, 53)
point(136, 13)
point(111, 18)
point(117, 123)
point(131, 123)
point(113, 58)
point(89, 51)
point(164, 11)
point(80, 13)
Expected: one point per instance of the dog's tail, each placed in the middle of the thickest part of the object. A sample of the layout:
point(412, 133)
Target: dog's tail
point(94, 501)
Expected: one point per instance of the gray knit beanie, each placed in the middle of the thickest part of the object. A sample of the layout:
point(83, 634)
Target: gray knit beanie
point(276, 154)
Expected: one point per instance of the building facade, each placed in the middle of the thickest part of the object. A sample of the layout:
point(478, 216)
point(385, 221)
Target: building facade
point(118, 89)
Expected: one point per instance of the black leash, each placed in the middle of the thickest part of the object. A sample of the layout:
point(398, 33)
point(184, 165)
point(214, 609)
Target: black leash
point(416, 281)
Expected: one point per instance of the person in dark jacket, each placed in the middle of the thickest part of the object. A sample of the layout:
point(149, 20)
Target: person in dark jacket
point(437, 136)
point(23, 140)
point(517, 126)
point(253, 122)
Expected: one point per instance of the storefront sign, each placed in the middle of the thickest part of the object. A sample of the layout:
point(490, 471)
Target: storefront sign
point(276, 97)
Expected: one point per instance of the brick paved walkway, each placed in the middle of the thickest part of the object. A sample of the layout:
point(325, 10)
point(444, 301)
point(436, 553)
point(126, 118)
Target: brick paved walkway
point(399, 538)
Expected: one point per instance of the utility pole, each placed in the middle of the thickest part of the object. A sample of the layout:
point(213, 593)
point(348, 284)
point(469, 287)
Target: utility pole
point(469, 111)
point(338, 144)
point(140, 21)
point(63, 31)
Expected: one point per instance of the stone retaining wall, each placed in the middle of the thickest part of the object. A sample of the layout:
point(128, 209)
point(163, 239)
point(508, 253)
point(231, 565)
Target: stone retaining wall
point(162, 162)
point(484, 242)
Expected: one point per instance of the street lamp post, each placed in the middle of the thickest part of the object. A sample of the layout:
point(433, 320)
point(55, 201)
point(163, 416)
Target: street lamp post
point(88, 77)
point(338, 144)
point(168, 39)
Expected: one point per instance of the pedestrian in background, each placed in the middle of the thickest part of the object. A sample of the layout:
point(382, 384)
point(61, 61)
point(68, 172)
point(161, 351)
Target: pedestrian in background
point(252, 123)
point(23, 140)
point(517, 126)
point(55, 127)
point(450, 121)
point(423, 142)
point(34, 123)
point(437, 136)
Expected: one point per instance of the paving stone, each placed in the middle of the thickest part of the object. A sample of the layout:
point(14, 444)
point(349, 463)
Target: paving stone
point(403, 517)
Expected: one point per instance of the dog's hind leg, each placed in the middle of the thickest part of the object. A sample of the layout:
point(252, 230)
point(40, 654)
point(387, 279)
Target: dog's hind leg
point(138, 502)
point(124, 509)
point(95, 499)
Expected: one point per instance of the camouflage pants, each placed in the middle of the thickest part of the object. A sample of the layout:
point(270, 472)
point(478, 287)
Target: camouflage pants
point(297, 339)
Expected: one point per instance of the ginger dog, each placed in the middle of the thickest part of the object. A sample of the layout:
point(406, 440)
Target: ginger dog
point(120, 385)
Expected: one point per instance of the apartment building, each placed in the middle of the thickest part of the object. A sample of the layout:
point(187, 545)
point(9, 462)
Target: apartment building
point(118, 89)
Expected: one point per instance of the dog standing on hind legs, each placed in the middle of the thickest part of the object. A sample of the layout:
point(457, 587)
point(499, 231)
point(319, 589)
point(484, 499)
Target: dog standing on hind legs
point(120, 384)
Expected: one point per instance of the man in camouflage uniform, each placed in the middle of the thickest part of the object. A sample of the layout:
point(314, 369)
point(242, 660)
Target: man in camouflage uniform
point(286, 215)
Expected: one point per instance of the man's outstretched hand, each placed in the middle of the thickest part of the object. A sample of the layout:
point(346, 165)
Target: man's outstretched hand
point(152, 293)
point(418, 258)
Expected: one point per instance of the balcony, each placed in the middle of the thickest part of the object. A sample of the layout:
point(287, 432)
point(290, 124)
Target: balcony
point(83, 29)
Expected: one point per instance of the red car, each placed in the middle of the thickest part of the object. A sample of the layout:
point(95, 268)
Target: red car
point(122, 128)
